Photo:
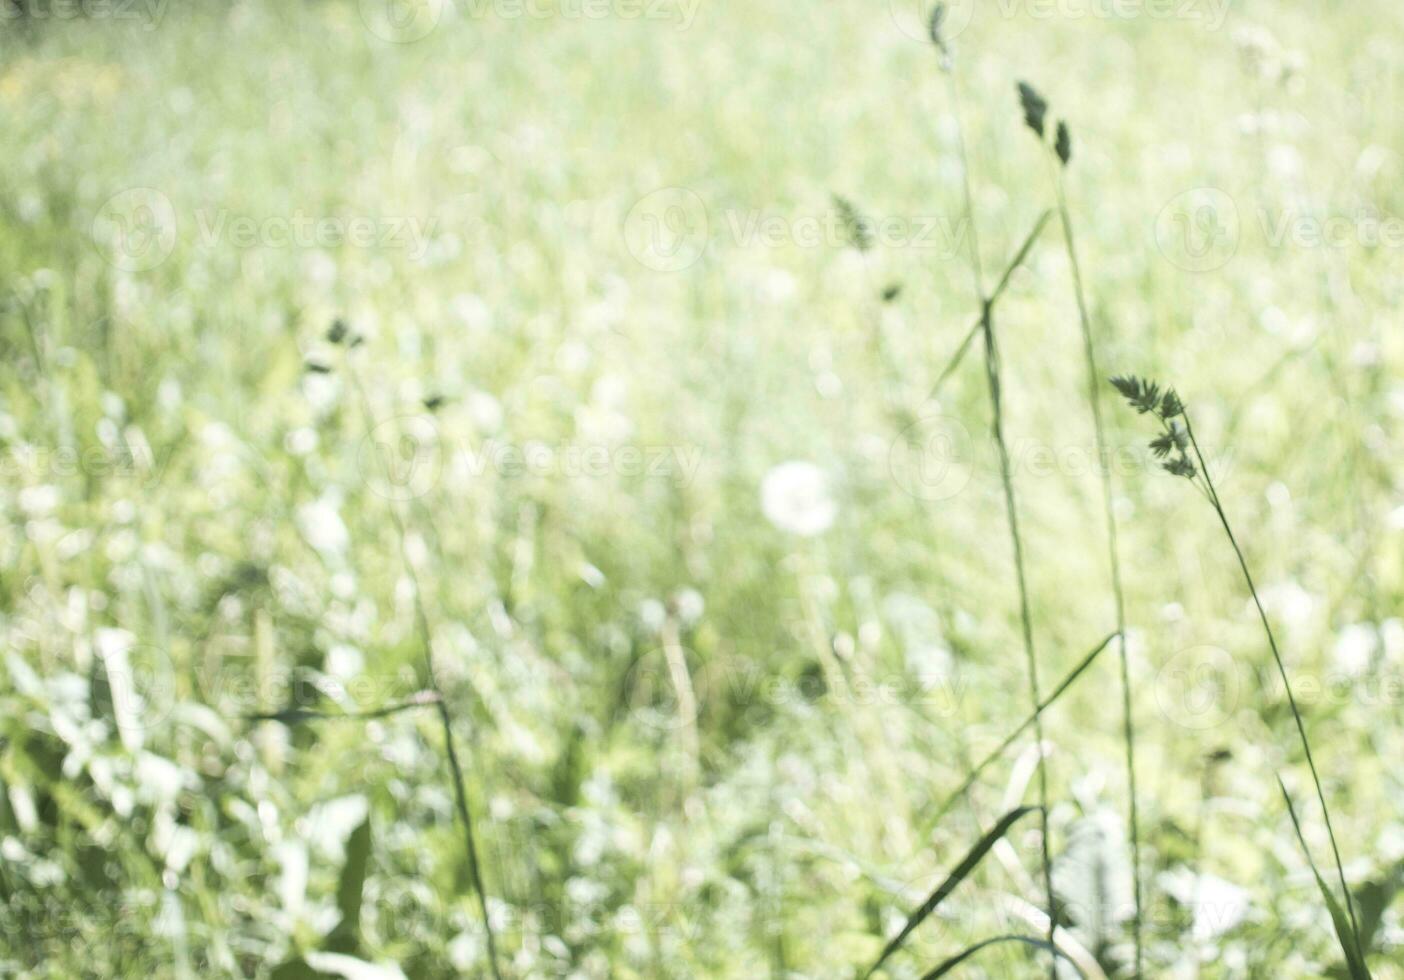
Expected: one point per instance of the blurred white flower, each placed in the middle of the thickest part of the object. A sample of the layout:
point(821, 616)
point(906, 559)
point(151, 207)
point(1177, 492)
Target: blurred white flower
point(1355, 645)
point(1217, 905)
point(652, 613)
point(300, 441)
point(795, 497)
point(344, 661)
point(322, 526)
point(38, 501)
point(1290, 601)
point(690, 605)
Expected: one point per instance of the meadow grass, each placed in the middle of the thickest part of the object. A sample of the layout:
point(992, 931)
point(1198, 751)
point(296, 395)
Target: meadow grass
point(193, 539)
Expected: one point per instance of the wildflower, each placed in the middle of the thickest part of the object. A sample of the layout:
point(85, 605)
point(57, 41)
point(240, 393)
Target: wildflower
point(795, 497)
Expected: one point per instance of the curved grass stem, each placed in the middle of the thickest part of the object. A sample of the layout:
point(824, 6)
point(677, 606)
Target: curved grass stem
point(992, 378)
point(1218, 506)
point(1094, 402)
point(426, 638)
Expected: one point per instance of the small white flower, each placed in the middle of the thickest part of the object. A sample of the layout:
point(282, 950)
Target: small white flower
point(690, 605)
point(1216, 904)
point(1355, 646)
point(795, 497)
point(322, 526)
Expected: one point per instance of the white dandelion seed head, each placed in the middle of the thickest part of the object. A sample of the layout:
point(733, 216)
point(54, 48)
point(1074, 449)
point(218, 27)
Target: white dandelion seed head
point(795, 497)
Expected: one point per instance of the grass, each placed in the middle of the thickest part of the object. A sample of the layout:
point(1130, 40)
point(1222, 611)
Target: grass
point(1058, 157)
point(339, 334)
point(193, 537)
point(1174, 445)
point(994, 388)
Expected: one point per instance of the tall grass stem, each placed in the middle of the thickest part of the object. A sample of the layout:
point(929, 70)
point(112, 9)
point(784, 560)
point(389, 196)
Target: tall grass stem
point(1094, 401)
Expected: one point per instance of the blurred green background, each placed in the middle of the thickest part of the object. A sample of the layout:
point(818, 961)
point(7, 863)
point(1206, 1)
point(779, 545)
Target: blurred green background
point(721, 600)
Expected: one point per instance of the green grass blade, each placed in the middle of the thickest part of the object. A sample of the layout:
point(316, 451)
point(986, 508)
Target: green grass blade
point(1009, 739)
point(974, 331)
point(1355, 961)
point(948, 965)
point(345, 936)
point(957, 875)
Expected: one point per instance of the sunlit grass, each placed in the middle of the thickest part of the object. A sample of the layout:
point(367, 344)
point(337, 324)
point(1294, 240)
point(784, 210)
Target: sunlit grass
point(193, 532)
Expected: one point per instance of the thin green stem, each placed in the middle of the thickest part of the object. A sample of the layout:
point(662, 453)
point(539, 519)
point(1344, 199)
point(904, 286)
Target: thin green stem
point(1007, 481)
point(973, 776)
point(1000, 286)
point(1286, 683)
point(426, 638)
point(1025, 616)
point(1094, 400)
point(975, 267)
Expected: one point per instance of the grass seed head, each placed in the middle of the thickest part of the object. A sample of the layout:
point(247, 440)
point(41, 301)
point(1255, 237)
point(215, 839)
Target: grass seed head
point(1035, 108)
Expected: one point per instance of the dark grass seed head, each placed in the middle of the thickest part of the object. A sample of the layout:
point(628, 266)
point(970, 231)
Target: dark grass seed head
point(1035, 108)
point(1172, 445)
point(857, 230)
point(938, 18)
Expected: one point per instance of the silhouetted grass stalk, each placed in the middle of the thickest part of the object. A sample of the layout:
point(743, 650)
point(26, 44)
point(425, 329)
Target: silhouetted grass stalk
point(426, 638)
point(1173, 446)
point(973, 776)
point(686, 695)
point(992, 377)
point(1282, 672)
point(1094, 401)
point(995, 294)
